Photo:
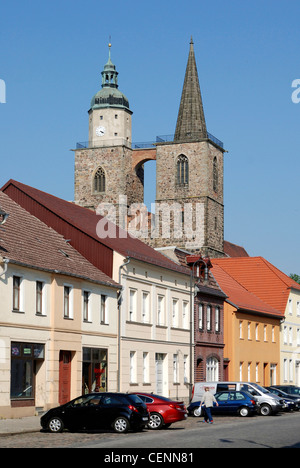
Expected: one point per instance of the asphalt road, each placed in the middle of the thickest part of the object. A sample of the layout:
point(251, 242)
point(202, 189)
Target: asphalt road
point(281, 431)
point(187, 437)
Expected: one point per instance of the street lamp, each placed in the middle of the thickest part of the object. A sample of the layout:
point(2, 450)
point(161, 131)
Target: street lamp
point(198, 260)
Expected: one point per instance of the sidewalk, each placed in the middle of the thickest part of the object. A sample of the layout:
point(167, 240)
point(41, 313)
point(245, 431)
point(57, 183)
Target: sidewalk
point(20, 426)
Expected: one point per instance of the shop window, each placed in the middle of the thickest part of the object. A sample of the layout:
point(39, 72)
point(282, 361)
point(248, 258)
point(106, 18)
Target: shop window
point(23, 363)
point(94, 371)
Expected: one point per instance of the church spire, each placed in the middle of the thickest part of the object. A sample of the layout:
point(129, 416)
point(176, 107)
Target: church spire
point(191, 124)
point(109, 74)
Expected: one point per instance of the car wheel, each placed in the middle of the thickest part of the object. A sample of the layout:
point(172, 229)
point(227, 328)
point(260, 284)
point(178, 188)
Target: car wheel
point(244, 411)
point(265, 410)
point(156, 421)
point(121, 425)
point(197, 412)
point(55, 425)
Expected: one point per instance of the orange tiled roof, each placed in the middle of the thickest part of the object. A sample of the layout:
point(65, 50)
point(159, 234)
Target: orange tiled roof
point(261, 278)
point(239, 296)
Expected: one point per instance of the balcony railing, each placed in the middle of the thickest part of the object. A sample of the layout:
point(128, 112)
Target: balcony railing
point(159, 139)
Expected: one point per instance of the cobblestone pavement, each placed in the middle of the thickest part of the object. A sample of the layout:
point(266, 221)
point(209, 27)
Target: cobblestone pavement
point(66, 439)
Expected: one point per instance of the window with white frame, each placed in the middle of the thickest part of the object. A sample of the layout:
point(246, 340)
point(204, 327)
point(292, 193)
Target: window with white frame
point(291, 370)
point(104, 318)
point(217, 319)
point(249, 330)
point(290, 307)
point(285, 334)
point(185, 368)
point(68, 302)
point(273, 334)
point(146, 378)
point(175, 368)
point(133, 375)
point(241, 371)
point(257, 372)
point(298, 308)
point(285, 370)
point(17, 299)
point(249, 371)
point(200, 312)
point(290, 336)
point(160, 310)
point(256, 332)
point(185, 314)
point(265, 333)
point(208, 318)
point(175, 313)
point(132, 305)
point(298, 336)
point(39, 298)
point(241, 329)
point(212, 370)
point(86, 299)
point(145, 307)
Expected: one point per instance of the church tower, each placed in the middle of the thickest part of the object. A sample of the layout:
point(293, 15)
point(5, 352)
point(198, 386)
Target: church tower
point(189, 178)
point(103, 166)
point(109, 115)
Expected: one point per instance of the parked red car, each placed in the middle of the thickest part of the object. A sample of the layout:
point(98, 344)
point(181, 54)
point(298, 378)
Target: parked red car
point(163, 411)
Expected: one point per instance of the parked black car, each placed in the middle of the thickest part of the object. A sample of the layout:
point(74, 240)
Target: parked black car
point(290, 391)
point(117, 411)
point(292, 403)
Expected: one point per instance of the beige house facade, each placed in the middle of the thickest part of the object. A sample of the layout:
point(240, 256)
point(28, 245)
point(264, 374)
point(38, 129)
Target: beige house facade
point(290, 340)
point(58, 319)
point(155, 345)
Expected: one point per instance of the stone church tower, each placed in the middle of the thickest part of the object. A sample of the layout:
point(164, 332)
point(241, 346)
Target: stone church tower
point(103, 165)
point(189, 168)
point(189, 175)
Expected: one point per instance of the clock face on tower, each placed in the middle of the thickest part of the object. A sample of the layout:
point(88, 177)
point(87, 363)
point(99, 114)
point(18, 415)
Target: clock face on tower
point(100, 131)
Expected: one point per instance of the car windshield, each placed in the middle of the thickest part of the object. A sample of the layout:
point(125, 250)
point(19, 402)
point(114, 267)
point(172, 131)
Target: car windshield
point(261, 389)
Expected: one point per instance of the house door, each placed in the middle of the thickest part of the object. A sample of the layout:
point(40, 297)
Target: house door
point(159, 366)
point(64, 377)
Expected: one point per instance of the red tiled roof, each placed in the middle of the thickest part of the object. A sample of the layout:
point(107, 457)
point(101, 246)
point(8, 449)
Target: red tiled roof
point(233, 250)
point(86, 220)
point(27, 241)
point(261, 278)
point(239, 296)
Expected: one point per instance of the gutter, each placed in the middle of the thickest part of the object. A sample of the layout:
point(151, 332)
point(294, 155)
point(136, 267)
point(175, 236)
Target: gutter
point(120, 298)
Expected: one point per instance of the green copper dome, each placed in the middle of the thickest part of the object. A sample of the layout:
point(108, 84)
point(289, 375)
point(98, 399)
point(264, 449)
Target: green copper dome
point(109, 95)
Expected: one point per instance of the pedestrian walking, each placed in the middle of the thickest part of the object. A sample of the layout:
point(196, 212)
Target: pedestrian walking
point(206, 404)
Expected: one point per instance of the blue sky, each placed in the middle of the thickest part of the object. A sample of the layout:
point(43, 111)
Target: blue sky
point(51, 57)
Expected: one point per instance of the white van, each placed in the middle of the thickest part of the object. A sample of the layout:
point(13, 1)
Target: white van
point(268, 402)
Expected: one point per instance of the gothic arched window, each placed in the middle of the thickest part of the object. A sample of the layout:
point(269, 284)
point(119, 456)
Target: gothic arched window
point(182, 170)
point(215, 175)
point(99, 180)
